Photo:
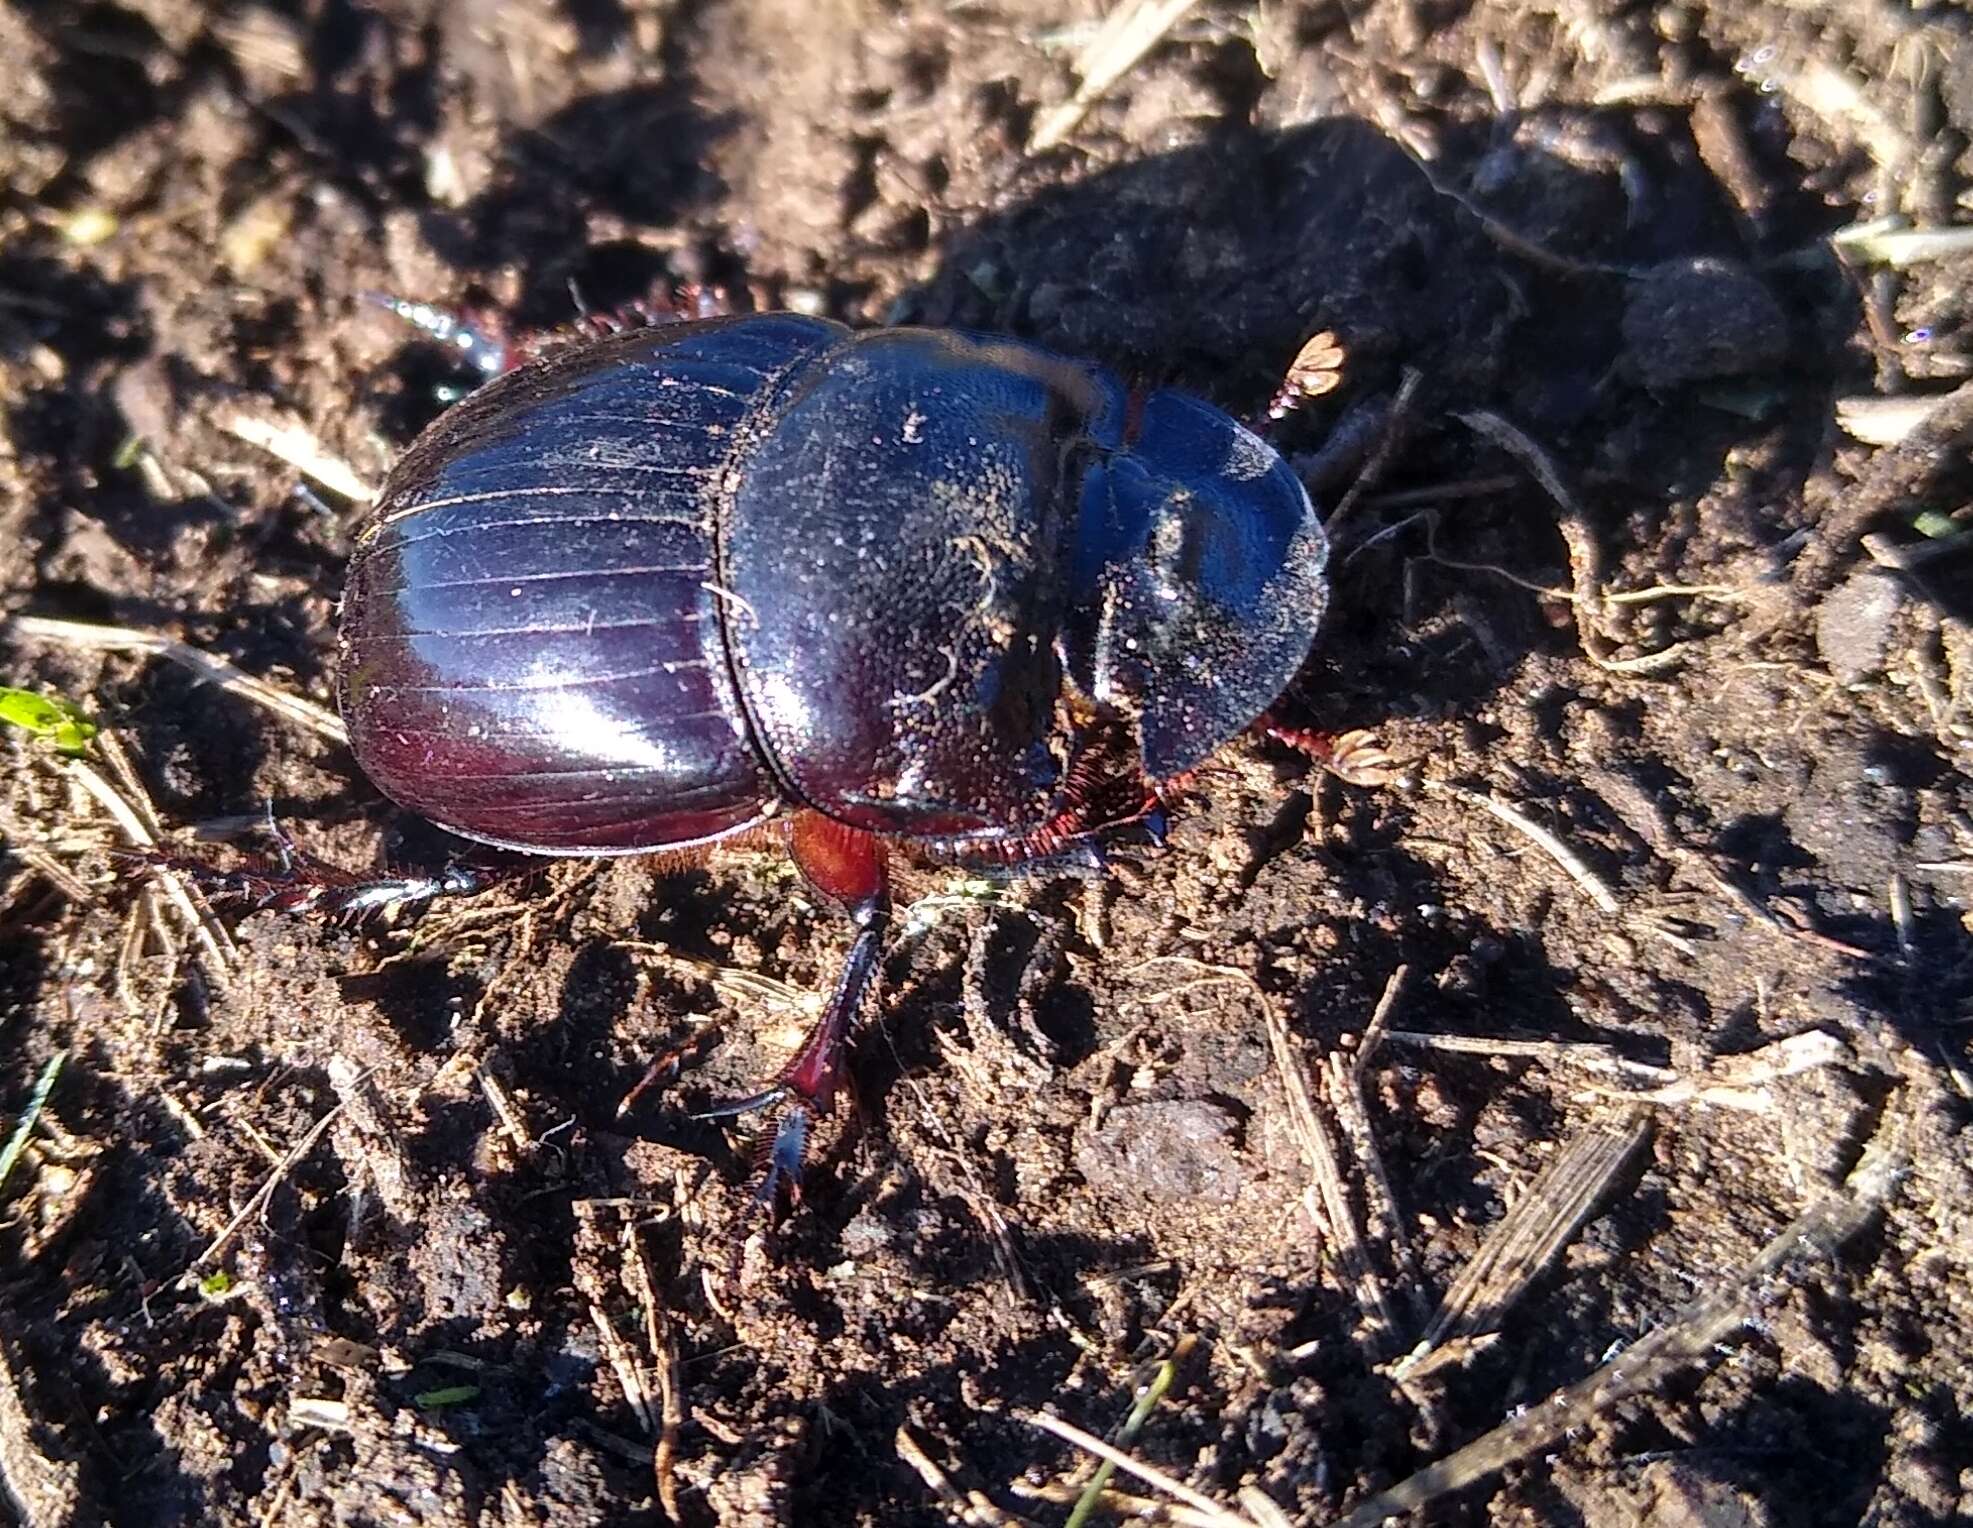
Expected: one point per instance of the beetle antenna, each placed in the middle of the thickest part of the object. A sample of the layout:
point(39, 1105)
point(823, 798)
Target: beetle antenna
point(1316, 370)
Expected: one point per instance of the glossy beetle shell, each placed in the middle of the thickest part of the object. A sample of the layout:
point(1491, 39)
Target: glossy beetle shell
point(645, 591)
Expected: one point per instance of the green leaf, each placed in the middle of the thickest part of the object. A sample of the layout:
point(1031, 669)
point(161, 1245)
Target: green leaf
point(451, 1395)
point(213, 1285)
point(47, 716)
point(17, 1142)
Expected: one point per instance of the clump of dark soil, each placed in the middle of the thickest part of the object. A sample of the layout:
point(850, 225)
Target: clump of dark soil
point(1658, 588)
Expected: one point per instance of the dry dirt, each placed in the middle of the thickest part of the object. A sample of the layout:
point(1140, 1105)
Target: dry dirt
point(358, 1235)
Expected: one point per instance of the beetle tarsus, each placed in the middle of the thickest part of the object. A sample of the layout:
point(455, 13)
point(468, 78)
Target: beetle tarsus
point(479, 343)
point(785, 1157)
point(733, 1108)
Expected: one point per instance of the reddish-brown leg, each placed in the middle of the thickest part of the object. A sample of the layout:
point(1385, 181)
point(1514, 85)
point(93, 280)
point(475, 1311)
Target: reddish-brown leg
point(852, 869)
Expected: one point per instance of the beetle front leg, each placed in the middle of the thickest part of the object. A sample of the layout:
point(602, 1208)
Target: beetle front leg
point(295, 881)
point(853, 870)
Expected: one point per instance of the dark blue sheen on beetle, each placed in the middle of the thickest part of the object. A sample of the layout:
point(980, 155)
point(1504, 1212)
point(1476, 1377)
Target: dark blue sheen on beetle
point(904, 589)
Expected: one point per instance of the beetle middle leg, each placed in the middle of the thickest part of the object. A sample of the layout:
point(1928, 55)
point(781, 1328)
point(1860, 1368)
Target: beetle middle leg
point(852, 869)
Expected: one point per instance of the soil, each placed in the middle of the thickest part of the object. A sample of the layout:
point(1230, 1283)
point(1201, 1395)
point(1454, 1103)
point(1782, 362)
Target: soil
point(359, 1235)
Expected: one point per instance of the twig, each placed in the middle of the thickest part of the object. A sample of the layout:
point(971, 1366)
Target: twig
point(1129, 32)
point(1541, 838)
point(1396, 421)
point(1435, 493)
point(663, 1344)
point(1587, 1055)
point(218, 671)
point(257, 1201)
point(1380, 1019)
point(1691, 1338)
point(1641, 813)
point(1210, 1511)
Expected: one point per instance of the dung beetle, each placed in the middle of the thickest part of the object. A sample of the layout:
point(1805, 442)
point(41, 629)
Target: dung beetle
point(910, 591)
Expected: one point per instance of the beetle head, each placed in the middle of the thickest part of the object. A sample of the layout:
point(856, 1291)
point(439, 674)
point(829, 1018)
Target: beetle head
point(1198, 580)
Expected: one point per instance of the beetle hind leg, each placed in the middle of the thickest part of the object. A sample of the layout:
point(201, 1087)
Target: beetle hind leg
point(852, 869)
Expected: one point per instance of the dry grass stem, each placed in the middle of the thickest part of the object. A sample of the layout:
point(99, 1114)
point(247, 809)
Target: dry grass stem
point(968, 1507)
point(1585, 1055)
point(1343, 1083)
point(1571, 862)
point(221, 954)
point(1343, 1086)
point(290, 441)
point(1129, 32)
point(1124, 1504)
point(1585, 556)
point(1906, 556)
point(1831, 94)
point(1742, 1082)
point(1877, 244)
point(235, 681)
point(505, 1110)
point(623, 1364)
point(1541, 1222)
point(1690, 1338)
point(325, 1412)
point(1210, 1511)
point(1327, 1199)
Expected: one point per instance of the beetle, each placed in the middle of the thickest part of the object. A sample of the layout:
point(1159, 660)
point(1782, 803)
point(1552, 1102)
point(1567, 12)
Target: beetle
point(902, 591)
